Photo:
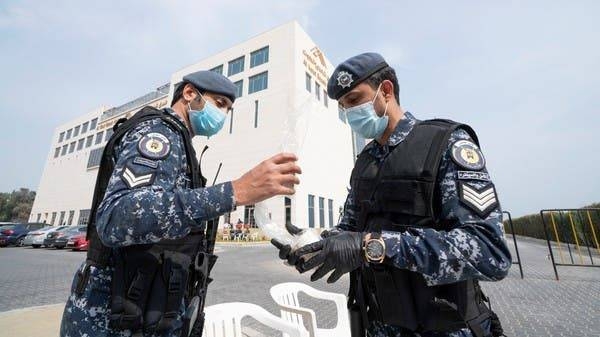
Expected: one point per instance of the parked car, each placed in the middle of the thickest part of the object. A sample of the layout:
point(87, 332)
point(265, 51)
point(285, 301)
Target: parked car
point(78, 242)
point(53, 235)
point(36, 238)
point(61, 241)
point(15, 234)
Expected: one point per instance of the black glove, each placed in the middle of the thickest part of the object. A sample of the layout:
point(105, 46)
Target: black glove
point(284, 249)
point(341, 253)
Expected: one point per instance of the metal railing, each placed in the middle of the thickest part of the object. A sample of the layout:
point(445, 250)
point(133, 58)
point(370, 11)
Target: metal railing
point(512, 229)
point(160, 92)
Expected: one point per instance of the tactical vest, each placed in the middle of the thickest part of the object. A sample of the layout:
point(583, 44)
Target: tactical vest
point(150, 281)
point(400, 193)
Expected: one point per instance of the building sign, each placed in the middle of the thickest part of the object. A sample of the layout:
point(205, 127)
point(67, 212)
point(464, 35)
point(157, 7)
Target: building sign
point(158, 104)
point(314, 61)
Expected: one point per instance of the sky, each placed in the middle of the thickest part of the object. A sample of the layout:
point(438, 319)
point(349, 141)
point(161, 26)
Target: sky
point(524, 75)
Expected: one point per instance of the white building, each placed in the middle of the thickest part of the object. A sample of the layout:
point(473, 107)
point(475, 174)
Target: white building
point(282, 105)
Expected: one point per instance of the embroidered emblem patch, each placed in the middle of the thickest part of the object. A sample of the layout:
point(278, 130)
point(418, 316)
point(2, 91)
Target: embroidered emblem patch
point(133, 179)
point(154, 146)
point(473, 175)
point(467, 155)
point(146, 162)
point(481, 200)
point(344, 79)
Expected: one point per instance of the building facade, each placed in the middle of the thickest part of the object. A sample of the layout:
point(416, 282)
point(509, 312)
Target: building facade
point(282, 105)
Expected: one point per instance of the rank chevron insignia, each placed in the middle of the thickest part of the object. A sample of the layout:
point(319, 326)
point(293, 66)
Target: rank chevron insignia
point(133, 180)
point(481, 200)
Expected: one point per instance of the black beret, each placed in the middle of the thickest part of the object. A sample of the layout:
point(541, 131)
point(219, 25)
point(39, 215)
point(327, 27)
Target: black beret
point(352, 72)
point(211, 81)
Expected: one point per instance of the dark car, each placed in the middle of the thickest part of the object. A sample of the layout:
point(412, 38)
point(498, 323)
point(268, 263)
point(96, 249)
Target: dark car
point(14, 234)
point(60, 242)
point(52, 236)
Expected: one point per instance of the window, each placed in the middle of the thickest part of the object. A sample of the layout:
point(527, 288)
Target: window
point(84, 214)
point(235, 66)
point(99, 138)
point(231, 121)
point(109, 133)
point(311, 211)
point(218, 69)
point(95, 157)
point(255, 114)
point(325, 99)
point(249, 216)
point(64, 150)
point(68, 134)
point(62, 218)
point(88, 141)
point(93, 124)
point(239, 88)
point(53, 218)
point(330, 204)
point(318, 91)
point(288, 210)
point(56, 152)
point(84, 127)
point(76, 131)
point(70, 221)
point(72, 147)
point(259, 57)
point(61, 136)
point(80, 144)
point(308, 83)
point(321, 212)
point(38, 217)
point(258, 82)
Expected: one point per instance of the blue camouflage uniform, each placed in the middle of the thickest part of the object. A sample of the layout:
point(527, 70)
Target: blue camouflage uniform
point(474, 249)
point(147, 200)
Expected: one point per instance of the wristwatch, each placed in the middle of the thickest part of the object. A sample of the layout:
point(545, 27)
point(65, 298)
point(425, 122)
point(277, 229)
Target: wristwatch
point(374, 248)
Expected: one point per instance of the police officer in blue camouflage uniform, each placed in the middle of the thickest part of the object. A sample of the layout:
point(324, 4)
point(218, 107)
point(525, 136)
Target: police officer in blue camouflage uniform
point(421, 224)
point(149, 214)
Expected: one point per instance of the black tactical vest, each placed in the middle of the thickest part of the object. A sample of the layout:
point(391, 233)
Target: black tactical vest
point(397, 194)
point(150, 280)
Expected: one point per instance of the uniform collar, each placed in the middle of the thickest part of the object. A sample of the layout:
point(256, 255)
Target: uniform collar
point(403, 128)
point(176, 115)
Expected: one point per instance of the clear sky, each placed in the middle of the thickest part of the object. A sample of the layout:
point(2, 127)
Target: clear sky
point(524, 74)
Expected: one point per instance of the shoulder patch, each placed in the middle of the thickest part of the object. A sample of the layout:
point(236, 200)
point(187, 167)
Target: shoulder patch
point(473, 175)
point(467, 155)
point(482, 200)
point(154, 145)
point(133, 179)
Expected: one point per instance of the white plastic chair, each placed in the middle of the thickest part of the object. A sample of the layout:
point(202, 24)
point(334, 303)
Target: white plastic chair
point(286, 296)
point(225, 320)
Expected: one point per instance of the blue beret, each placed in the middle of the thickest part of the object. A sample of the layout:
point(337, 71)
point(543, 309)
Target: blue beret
point(211, 81)
point(352, 72)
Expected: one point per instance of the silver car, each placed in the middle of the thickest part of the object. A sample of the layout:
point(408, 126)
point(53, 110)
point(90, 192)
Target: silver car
point(36, 238)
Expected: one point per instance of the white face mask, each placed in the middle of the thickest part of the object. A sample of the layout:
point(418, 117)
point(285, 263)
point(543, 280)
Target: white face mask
point(364, 120)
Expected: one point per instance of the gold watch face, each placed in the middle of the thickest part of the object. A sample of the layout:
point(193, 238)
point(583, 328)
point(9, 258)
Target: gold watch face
point(374, 250)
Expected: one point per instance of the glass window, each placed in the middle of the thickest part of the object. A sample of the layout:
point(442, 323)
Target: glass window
point(76, 131)
point(62, 218)
point(84, 127)
point(61, 136)
point(231, 121)
point(239, 88)
point(259, 57)
point(80, 144)
point(258, 82)
point(95, 157)
point(72, 147)
point(308, 83)
point(218, 69)
point(256, 114)
point(321, 212)
point(89, 140)
point(70, 221)
point(249, 216)
point(56, 152)
point(330, 204)
point(38, 217)
point(109, 133)
point(64, 150)
point(311, 211)
point(93, 124)
point(99, 138)
point(68, 134)
point(235, 66)
point(325, 98)
point(288, 210)
point(317, 91)
point(84, 214)
point(53, 218)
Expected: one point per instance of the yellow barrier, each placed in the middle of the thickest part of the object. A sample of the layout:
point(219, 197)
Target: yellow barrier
point(562, 260)
point(593, 232)
point(576, 239)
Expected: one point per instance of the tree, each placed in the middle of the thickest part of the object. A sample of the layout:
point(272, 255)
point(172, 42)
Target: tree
point(16, 206)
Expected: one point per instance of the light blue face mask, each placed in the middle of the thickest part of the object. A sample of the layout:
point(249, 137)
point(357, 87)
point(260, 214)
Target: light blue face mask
point(364, 120)
point(208, 121)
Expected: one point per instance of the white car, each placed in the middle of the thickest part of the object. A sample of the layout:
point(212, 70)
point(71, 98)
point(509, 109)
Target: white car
point(36, 238)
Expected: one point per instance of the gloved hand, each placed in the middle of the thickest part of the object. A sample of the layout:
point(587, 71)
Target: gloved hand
point(341, 253)
point(285, 249)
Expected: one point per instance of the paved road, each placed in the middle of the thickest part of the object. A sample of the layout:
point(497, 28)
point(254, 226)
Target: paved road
point(536, 306)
